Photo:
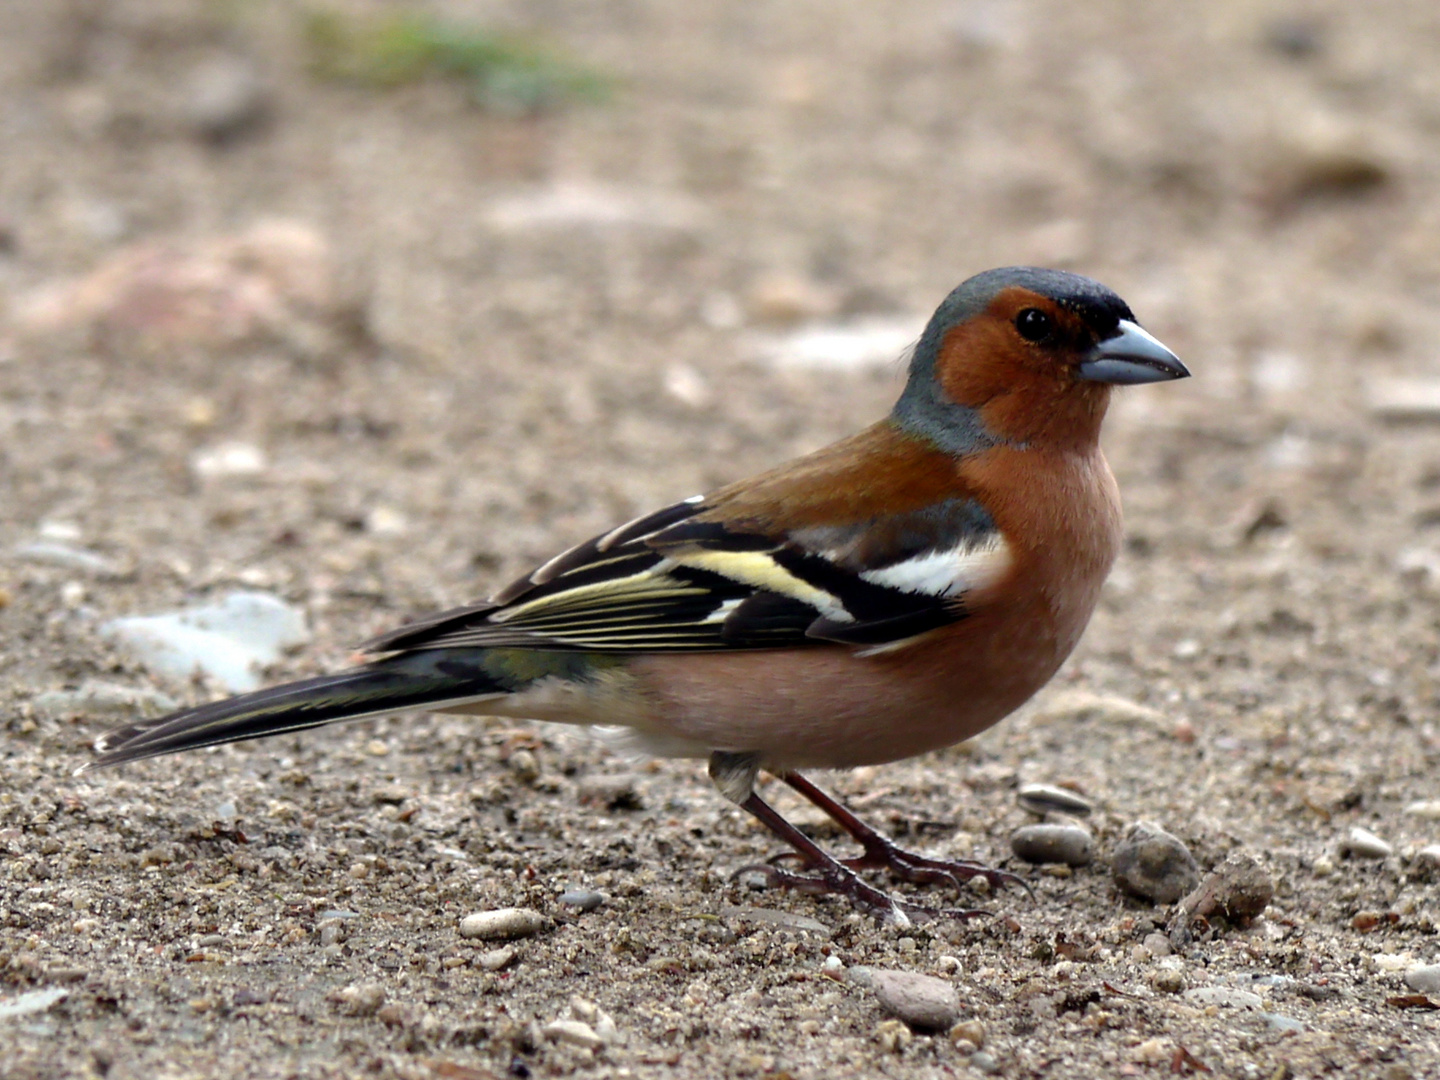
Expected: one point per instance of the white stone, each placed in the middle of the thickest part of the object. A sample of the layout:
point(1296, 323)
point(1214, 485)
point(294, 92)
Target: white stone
point(231, 641)
point(845, 346)
point(502, 923)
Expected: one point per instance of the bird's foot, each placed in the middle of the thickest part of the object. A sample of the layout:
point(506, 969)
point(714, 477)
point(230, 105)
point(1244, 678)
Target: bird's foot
point(879, 852)
point(839, 879)
point(883, 854)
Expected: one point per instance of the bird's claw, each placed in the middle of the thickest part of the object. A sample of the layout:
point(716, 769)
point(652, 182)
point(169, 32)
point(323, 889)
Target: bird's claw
point(915, 869)
point(885, 909)
point(922, 870)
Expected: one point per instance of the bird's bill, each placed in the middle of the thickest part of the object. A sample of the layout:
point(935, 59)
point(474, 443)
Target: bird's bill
point(1131, 356)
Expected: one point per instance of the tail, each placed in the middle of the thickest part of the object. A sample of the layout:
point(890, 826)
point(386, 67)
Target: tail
point(432, 679)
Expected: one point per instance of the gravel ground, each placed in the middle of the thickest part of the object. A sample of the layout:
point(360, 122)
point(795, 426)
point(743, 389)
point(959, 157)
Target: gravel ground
point(377, 352)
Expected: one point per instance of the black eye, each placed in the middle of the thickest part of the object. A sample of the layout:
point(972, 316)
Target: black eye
point(1034, 324)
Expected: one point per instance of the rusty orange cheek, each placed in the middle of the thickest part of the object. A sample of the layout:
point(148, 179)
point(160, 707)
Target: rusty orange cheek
point(981, 362)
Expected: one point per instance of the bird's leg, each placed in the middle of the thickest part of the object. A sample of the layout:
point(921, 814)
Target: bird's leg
point(880, 852)
point(832, 876)
point(730, 770)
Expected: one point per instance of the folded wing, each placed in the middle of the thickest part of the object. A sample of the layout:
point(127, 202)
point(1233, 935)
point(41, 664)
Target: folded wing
point(683, 579)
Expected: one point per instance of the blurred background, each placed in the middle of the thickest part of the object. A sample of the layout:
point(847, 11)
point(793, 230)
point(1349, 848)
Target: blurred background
point(370, 306)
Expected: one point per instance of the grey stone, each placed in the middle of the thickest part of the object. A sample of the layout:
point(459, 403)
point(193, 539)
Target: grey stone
point(95, 697)
point(1042, 799)
point(1152, 864)
point(1068, 844)
point(983, 1061)
point(783, 920)
point(921, 1001)
point(1425, 979)
point(67, 557)
point(223, 97)
point(582, 899)
point(1278, 1022)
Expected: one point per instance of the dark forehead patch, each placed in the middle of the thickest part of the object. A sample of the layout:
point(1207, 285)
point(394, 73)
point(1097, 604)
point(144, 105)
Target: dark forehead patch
point(1093, 302)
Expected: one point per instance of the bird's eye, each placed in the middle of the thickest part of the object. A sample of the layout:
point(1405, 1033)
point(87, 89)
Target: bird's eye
point(1034, 324)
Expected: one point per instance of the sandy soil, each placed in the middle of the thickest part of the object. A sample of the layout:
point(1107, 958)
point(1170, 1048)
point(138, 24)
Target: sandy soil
point(443, 391)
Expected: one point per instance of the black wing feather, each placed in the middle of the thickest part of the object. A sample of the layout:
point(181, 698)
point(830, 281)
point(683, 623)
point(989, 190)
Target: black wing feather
point(668, 581)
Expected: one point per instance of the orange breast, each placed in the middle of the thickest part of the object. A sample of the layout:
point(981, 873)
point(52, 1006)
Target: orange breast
point(838, 707)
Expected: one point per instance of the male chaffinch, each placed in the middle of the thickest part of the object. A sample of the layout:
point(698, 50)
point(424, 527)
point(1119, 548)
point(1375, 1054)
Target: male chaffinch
point(896, 592)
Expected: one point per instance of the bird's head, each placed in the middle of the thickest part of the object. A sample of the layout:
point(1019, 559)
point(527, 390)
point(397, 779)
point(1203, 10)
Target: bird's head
point(1019, 355)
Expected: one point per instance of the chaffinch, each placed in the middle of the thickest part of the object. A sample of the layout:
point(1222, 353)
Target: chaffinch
point(894, 593)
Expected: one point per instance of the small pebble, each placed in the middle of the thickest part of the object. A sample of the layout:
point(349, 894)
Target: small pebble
point(1042, 799)
point(922, 1001)
point(1068, 844)
point(501, 924)
point(497, 959)
point(1425, 808)
point(223, 97)
point(1277, 1022)
point(1157, 944)
point(1168, 980)
point(575, 1032)
point(1152, 864)
point(361, 999)
point(226, 460)
point(525, 765)
point(893, 1036)
point(984, 1062)
point(95, 697)
point(1239, 889)
point(1363, 844)
point(833, 966)
point(1402, 399)
point(971, 1030)
point(582, 899)
point(1428, 856)
point(394, 1015)
point(34, 1001)
point(67, 557)
point(785, 920)
point(1153, 1052)
point(1425, 980)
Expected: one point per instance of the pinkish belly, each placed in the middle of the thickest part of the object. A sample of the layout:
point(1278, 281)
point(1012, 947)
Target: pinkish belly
point(829, 708)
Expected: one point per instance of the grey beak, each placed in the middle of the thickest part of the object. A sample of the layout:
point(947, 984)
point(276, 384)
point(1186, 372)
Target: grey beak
point(1131, 356)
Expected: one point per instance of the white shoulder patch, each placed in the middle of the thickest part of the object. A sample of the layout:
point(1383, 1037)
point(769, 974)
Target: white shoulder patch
point(954, 572)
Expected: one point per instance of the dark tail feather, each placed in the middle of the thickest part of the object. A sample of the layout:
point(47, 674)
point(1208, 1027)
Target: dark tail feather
point(413, 681)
